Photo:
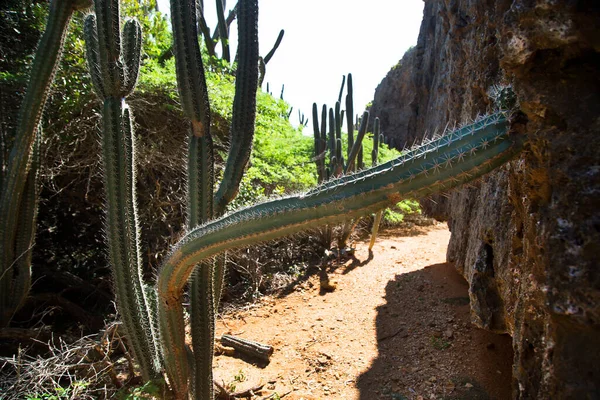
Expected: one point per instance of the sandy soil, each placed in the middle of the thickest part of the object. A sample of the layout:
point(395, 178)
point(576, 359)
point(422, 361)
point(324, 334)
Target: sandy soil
point(396, 327)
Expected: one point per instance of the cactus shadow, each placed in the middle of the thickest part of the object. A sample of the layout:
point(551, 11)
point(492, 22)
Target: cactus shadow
point(355, 263)
point(248, 359)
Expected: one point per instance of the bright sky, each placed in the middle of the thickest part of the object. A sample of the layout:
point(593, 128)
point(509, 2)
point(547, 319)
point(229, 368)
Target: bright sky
point(326, 39)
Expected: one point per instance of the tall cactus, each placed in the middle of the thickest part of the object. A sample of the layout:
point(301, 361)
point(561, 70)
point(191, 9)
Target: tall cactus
point(374, 159)
point(114, 60)
point(193, 93)
point(19, 190)
point(207, 283)
point(441, 164)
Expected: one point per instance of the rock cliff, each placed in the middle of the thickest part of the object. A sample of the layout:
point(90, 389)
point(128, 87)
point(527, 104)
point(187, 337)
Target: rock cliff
point(526, 238)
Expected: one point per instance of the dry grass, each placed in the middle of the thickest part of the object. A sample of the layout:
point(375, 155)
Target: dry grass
point(93, 367)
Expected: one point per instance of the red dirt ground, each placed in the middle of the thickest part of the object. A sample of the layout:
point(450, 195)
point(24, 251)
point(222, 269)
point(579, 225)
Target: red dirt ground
point(397, 327)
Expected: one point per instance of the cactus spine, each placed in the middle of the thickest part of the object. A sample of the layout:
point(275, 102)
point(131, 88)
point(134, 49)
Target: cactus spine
point(441, 164)
point(19, 193)
point(114, 67)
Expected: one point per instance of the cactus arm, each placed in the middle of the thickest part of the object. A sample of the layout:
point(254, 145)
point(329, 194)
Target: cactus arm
point(188, 64)
point(360, 164)
point(132, 51)
point(339, 154)
point(26, 230)
point(358, 144)
point(350, 119)
point(332, 143)
point(324, 139)
point(223, 34)
point(342, 89)
point(109, 46)
point(244, 105)
point(90, 32)
point(274, 49)
point(319, 148)
point(14, 181)
point(374, 156)
point(442, 164)
point(208, 40)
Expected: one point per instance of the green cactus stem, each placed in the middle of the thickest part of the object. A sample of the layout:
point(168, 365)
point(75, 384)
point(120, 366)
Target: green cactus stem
point(374, 158)
point(353, 153)
point(207, 283)
point(203, 26)
point(350, 120)
point(223, 31)
point(342, 89)
point(193, 93)
point(319, 146)
point(271, 53)
point(26, 230)
point(439, 165)
point(244, 105)
point(17, 176)
point(339, 154)
point(114, 69)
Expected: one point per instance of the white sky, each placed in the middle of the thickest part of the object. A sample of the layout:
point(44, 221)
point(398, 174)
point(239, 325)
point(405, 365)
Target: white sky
point(326, 39)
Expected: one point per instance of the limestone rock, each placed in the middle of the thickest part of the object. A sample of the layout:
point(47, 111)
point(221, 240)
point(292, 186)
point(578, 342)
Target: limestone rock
point(526, 238)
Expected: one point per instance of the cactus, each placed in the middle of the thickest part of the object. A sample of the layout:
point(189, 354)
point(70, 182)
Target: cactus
point(349, 120)
point(275, 47)
point(207, 283)
point(374, 156)
point(223, 31)
point(301, 119)
point(114, 60)
point(438, 165)
point(193, 93)
point(19, 193)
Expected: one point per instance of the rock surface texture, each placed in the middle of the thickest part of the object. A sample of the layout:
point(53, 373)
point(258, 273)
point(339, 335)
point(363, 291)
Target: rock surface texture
point(526, 238)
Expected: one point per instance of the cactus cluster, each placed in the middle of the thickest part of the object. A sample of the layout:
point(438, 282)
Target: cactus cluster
point(156, 330)
point(331, 142)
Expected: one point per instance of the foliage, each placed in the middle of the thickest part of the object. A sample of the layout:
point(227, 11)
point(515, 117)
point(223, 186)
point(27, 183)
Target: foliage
point(395, 215)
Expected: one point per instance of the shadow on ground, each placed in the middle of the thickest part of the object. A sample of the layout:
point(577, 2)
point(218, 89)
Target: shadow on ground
point(427, 347)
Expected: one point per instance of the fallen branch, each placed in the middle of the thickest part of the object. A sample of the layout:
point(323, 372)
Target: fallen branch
point(248, 347)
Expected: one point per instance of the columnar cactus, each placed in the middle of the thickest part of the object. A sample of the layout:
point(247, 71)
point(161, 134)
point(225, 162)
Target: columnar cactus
point(200, 182)
point(207, 283)
point(374, 157)
point(19, 193)
point(114, 60)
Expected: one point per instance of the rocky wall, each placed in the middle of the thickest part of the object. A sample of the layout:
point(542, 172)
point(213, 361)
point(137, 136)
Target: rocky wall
point(526, 238)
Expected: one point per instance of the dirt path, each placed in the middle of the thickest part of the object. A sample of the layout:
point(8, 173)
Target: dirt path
point(396, 327)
